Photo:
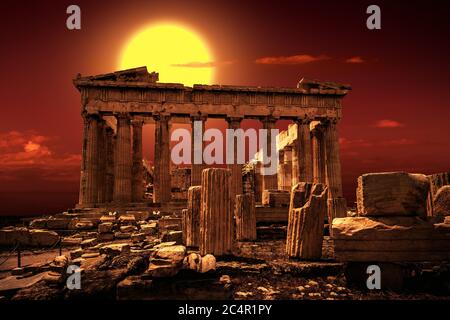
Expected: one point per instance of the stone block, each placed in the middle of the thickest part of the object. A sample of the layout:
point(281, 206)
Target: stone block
point(441, 202)
point(392, 194)
point(276, 198)
point(105, 227)
point(390, 239)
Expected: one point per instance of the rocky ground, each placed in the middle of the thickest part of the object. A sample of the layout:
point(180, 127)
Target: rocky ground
point(145, 260)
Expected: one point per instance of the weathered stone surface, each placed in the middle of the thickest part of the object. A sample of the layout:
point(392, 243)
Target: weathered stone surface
point(175, 236)
point(162, 269)
point(390, 239)
point(76, 224)
point(149, 228)
point(305, 226)
point(57, 224)
point(38, 224)
point(216, 214)
point(437, 181)
point(169, 223)
point(59, 264)
point(192, 262)
point(441, 206)
point(164, 244)
point(108, 218)
point(245, 215)
point(127, 228)
point(174, 254)
point(105, 227)
point(25, 237)
point(71, 241)
point(122, 235)
point(128, 219)
point(43, 238)
point(77, 253)
point(207, 263)
point(138, 237)
point(275, 198)
point(115, 249)
point(106, 236)
point(386, 228)
point(191, 217)
point(89, 243)
point(392, 193)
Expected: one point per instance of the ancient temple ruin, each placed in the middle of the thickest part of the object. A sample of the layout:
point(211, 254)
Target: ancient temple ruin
point(117, 105)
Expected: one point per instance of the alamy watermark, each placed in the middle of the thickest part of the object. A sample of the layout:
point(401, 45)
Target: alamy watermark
point(234, 143)
point(374, 280)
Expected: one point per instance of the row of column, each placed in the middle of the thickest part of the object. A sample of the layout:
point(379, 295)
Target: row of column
point(314, 157)
point(112, 170)
point(111, 166)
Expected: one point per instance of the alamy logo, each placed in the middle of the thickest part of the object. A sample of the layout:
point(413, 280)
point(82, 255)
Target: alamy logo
point(374, 20)
point(74, 280)
point(235, 147)
point(73, 21)
point(374, 279)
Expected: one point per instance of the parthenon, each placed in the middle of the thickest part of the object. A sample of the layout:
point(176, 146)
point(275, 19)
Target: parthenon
point(115, 107)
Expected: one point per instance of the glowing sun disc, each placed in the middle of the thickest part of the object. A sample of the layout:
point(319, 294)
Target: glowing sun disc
point(177, 53)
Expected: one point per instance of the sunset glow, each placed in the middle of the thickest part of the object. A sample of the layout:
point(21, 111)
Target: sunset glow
point(179, 54)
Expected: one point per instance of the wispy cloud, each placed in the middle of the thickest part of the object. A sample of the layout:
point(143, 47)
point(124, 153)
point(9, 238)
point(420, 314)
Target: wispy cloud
point(355, 59)
point(349, 146)
point(196, 64)
point(386, 123)
point(291, 60)
point(30, 154)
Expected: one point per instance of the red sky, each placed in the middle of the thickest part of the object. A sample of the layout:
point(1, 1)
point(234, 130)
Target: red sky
point(396, 117)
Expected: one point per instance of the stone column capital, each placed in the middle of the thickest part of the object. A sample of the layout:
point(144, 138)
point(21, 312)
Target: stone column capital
point(317, 127)
point(90, 116)
point(269, 119)
point(333, 121)
point(137, 122)
point(234, 121)
point(122, 116)
point(304, 121)
point(161, 117)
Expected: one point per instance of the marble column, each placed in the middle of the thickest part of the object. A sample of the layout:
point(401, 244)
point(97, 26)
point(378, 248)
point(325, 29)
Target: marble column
point(235, 168)
point(302, 167)
point(285, 169)
point(258, 182)
point(318, 151)
point(123, 160)
point(89, 165)
point(82, 193)
point(197, 130)
point(137, 174)
point(161, 181)
point(109, 184)
point(280, 171)
point(270, 182)
point(101, 188)
point(337, 206)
